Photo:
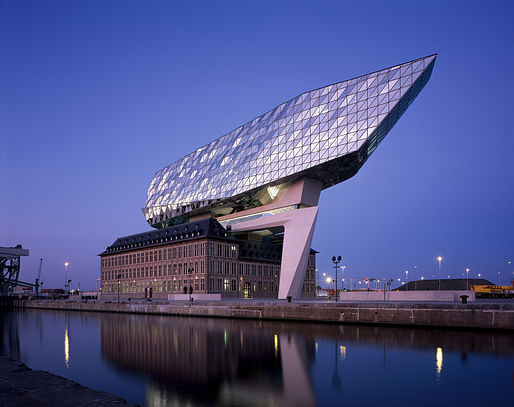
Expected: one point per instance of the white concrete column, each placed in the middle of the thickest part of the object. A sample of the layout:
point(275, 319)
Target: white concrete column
point(298, 231)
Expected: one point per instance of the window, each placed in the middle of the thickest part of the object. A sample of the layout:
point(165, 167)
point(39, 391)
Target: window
point(160, 255)
point(196, 285)
point(254, 267)
point(234, 268)
point(196, 250)
point(202, 284)
point(219, 283)
point(174, 253)
point(234, 252)
point(233, 285)
point(259, 270)
point(226, 285)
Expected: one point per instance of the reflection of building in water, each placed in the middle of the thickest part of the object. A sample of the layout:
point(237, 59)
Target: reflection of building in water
point(211, 360)
point(9, 336)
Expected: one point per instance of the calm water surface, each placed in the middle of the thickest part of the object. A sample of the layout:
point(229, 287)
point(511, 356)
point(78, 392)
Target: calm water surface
point(161, 361)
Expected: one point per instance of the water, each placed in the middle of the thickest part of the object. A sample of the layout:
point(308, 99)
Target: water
point(160, 361)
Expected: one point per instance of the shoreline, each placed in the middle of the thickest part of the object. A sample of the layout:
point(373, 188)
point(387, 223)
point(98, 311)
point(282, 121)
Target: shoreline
point(489, 316)
point(20, 385)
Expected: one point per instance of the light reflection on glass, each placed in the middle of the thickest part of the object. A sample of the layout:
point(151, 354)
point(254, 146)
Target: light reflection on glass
point(439, 361)
point(66, 348)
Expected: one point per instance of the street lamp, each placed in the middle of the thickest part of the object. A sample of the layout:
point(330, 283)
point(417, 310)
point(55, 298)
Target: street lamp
point(439, 259)
point(336, 262)
point(190, 270)
point(467, 278)
point(316, 283)
point(119, 277)
point(407, 279)
point(342, 270)
point(66, 264)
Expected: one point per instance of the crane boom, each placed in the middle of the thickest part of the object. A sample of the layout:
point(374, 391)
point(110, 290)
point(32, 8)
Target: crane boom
point(40, 266)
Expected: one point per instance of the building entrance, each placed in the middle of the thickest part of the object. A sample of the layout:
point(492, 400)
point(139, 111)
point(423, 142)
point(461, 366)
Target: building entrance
point(247, 290)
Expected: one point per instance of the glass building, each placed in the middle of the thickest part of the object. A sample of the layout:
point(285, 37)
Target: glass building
point(265, 177)
point(326, 134)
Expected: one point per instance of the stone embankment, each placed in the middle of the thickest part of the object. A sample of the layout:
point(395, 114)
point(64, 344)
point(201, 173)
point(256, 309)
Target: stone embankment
point(478, 316)
point(22, 386)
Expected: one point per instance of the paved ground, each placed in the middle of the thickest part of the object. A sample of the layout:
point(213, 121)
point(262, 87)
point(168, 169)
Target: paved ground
point(22, 386)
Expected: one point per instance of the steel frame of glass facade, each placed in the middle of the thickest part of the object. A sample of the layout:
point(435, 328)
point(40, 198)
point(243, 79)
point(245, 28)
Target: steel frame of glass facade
point(325, 134)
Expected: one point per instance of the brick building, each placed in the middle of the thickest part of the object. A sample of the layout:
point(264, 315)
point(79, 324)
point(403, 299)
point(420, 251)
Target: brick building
point(198, 256)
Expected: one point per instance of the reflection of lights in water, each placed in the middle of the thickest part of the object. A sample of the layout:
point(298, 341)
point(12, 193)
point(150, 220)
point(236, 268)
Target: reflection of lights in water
point(276, 344)
point(342, 350)
point(316, 347)
point(66, 348)
point(439, 361)
point(225, 338)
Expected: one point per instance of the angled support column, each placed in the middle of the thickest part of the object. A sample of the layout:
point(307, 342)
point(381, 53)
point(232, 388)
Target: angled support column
point(298, 231)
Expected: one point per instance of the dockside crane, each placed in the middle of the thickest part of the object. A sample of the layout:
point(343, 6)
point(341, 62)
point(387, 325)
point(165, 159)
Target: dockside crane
point(38, 279)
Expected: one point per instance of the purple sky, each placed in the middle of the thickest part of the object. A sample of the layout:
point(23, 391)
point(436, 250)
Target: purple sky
point(96, 96)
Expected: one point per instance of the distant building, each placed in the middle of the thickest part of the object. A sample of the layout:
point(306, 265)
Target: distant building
point(199, 257)
point(446, 284)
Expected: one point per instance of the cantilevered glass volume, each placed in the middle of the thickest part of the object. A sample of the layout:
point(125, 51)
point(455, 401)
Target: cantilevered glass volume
point(267, 174)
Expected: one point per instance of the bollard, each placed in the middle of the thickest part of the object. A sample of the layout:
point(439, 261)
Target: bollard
point(464, 299)
point(289, 298)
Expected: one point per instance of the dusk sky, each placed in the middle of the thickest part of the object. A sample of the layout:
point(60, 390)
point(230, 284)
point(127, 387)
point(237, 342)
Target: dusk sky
point(96, 96)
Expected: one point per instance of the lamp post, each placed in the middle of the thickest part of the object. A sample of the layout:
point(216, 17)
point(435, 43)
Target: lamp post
point(342, 271)
point(190, 270)
point(467, 279)
point(316, 284)
point(66, 264)
point(336, 262)
point(119, 277)
point(407, 279)
point(439, 259)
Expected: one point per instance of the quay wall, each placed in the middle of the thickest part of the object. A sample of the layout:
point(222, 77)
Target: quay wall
point(478, 316)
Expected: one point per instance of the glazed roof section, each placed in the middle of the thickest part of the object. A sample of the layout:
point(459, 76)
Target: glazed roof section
point(313, 128)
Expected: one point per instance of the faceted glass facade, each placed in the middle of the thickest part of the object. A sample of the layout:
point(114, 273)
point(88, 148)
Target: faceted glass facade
point(296, 138)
